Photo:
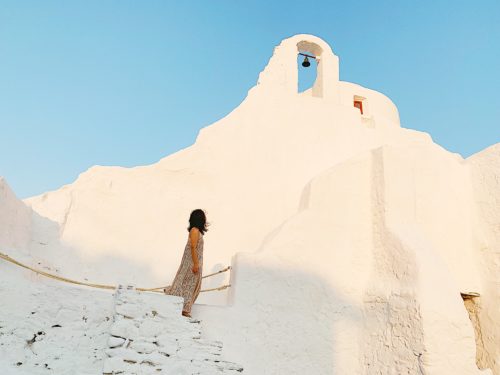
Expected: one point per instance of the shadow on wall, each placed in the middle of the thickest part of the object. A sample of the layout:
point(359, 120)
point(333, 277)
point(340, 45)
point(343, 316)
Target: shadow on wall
point(285, 321)
point(48, 253)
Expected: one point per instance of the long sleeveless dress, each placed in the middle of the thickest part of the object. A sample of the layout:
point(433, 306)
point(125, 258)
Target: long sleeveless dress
point(186, 283)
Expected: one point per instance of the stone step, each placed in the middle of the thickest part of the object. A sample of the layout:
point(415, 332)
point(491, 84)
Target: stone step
point(149, 335)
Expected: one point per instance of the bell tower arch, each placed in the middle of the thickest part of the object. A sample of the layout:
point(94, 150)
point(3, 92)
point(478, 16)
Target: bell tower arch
point(312, 51)
point(280, 76)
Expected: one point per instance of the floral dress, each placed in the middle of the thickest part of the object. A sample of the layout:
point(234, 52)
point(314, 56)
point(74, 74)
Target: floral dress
point(186, 283)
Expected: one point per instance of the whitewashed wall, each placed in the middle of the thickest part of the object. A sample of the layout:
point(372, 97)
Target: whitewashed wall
point(350, 237)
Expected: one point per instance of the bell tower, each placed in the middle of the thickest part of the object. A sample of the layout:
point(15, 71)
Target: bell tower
point(280, 76)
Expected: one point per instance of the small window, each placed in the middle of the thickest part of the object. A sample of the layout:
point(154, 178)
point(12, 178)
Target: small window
point(359, 104)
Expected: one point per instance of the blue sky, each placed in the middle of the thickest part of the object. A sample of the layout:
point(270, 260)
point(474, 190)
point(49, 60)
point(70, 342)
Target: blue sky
point(129, 82)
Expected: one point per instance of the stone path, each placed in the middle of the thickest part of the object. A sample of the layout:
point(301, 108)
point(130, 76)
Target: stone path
point(149, 335)
point(47, 328)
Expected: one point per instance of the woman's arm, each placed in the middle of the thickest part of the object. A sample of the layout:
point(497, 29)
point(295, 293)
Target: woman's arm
point(194, 235)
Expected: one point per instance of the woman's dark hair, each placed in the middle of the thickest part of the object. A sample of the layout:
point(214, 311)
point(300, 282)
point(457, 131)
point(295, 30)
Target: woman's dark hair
point(198, 219)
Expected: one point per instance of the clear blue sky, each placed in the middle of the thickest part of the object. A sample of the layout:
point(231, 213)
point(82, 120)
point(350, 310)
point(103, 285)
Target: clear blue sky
point(117, 82)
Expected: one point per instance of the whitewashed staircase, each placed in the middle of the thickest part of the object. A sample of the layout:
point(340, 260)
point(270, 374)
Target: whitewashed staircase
point(149, 335)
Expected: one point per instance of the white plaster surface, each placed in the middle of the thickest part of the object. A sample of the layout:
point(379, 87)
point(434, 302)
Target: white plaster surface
point(15, 219)
point(52, 328)
point(350, 237)
point(49, 328)
point(150, 336)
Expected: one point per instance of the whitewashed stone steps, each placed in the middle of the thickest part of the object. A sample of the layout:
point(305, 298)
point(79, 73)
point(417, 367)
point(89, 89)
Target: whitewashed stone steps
point(149, 335)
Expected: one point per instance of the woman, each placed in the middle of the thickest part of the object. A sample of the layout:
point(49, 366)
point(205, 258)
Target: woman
point(187, 281)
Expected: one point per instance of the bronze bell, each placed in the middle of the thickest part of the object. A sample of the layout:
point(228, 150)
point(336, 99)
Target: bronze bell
point(306, 62)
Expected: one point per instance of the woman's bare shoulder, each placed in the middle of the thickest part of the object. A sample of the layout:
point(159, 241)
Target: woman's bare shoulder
point(194, 231)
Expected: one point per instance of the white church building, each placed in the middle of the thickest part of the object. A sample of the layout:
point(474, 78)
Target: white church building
point(356, 246)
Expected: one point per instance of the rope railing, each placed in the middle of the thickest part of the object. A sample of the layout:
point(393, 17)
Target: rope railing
point(160, 288)
point(103, 286)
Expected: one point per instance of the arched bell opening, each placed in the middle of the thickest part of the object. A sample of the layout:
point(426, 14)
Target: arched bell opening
point(309, 68)
point(308, 71)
